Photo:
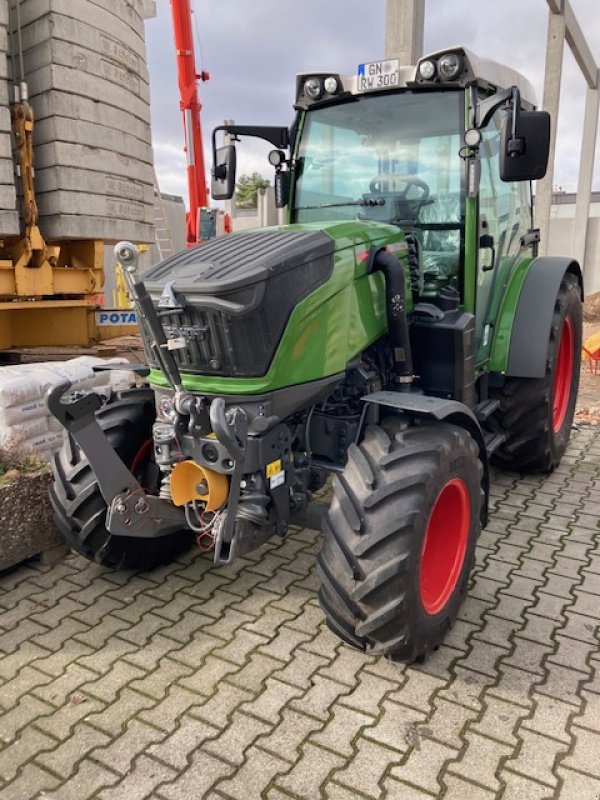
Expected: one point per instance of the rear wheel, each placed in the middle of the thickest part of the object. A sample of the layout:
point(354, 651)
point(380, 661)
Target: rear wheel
point(79, 507)
point(399, 538)
point(537, 414)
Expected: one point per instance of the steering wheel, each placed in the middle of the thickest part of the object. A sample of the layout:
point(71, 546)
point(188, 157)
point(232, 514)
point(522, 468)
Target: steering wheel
point(409, 180)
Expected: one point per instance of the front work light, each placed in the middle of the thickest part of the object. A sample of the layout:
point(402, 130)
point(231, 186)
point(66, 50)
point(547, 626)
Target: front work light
point(427, 70)
point(331, 85)
point(313, 88)
point(449, 66)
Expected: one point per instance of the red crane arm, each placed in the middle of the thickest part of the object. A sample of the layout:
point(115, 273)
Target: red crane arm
point(190, 107)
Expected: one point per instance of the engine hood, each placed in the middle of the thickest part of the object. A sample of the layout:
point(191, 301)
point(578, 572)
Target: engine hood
point(225, 304)
point(239, 260)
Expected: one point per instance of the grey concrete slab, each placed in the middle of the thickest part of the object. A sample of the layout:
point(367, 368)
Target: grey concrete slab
point(92, 158)
point(91, 134)
point(55, 53)
point(7, 169)
point(5, 125)
point(85, 180)
point(96, 205)
point(7, 197)
point(116, 14)
point(121, 44)
point(9, 223)
point(72, 106)
point(70, 79)
point(72, 226)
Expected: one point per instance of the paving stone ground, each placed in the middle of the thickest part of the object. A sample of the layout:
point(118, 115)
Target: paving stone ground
point(192, 681)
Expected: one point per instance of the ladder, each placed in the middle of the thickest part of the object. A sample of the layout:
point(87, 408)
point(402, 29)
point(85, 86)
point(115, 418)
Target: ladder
point(162, 231)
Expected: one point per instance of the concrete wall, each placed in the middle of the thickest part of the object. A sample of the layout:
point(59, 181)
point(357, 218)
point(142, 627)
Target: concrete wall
point(560, 243)
point(85, 64)
point(263, 215)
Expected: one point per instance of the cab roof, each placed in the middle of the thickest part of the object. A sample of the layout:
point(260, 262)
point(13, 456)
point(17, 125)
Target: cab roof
point(484, 71)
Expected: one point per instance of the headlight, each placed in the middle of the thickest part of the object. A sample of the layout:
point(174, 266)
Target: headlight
point(313, 88)
point(449, 66)
point(331, 85)
point(427, 70)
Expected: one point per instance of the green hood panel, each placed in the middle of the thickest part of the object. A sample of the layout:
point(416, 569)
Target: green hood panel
point(329, 327)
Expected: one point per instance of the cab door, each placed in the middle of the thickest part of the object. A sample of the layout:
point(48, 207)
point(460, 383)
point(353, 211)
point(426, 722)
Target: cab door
point(504, 216)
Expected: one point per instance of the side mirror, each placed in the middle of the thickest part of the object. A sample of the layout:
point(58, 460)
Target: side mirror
point(223, 173)
point(524, 151)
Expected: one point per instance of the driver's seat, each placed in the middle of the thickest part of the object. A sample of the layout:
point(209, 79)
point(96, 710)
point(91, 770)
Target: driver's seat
point(441, 249)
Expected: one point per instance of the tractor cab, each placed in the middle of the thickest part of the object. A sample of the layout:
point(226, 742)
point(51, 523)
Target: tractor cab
point(445, 151)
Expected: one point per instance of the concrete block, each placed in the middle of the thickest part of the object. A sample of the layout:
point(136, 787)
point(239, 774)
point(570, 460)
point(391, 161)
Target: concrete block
point(6, 151)
point(66, 154)
point(5, 124)
point(9, 223)
point(74, 81)
point(70, 226)
point(84, 180)
point(72, 106)
point(91, 134)
point(7, 169)
point(123, 45)
point(8, 199)
point(148, 9)
point(96, 205)
point(54, 53)
point(107, 16)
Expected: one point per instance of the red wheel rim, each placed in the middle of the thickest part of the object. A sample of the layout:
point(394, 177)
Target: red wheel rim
point(445, 545)
point(563, 377)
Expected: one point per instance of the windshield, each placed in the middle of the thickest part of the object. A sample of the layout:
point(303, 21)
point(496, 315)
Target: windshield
point(389, 157)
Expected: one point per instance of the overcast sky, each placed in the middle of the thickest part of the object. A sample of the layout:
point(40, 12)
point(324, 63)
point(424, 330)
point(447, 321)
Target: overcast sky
point(254, 48)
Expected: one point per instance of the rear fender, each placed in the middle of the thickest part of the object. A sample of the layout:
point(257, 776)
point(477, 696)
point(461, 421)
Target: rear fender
point(520, 347)
point(437, 408)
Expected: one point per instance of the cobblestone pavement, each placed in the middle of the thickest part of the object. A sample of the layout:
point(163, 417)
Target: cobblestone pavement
point(194, 682)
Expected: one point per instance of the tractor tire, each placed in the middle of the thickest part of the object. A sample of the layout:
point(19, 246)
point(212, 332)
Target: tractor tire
point(537, 414)
point(79, 507)
point(399, 538)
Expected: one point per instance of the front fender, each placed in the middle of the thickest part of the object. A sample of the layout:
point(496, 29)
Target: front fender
point(443, 411)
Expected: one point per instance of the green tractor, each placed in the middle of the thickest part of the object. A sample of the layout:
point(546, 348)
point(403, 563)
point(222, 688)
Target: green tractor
point(400, 332)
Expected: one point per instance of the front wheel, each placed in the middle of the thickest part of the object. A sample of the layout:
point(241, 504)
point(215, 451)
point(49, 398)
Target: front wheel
point(79, 507)
point(399, 538)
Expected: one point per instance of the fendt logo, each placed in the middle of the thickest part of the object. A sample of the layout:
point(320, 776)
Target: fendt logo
point(127, 317)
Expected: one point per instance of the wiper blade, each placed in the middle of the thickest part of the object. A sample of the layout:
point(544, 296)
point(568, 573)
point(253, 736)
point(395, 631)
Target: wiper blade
point(364, 201)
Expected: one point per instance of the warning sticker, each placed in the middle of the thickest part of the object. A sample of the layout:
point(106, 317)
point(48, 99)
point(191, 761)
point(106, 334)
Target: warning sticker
point(277, 479)
point(273, 468)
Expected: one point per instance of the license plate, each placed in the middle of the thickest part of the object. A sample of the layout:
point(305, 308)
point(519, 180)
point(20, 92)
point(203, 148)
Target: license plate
point(378, 75)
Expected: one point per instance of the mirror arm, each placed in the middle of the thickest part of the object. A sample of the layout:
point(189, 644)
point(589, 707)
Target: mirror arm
point(488, 107)
point(278, 137)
